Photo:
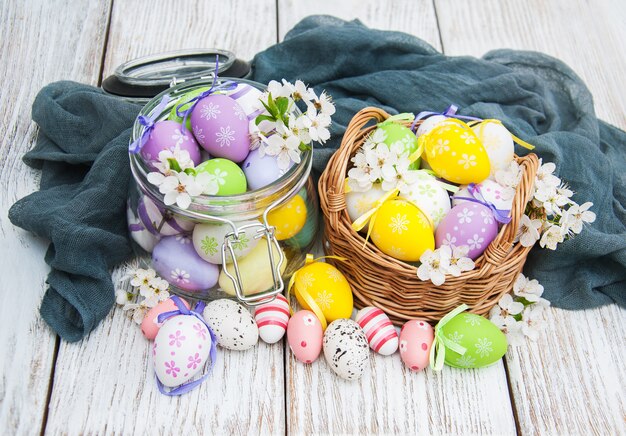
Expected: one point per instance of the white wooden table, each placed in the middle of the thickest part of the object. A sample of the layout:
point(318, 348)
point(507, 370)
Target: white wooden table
point(570, 382)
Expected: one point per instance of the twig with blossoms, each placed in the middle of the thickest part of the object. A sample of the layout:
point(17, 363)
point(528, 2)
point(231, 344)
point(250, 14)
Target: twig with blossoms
point(447, 259)
point(146, 284)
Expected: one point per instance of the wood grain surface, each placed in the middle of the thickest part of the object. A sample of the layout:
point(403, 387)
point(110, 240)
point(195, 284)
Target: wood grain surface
point(39, 42)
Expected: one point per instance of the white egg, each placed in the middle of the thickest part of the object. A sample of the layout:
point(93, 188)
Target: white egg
point(501, 197)
point(357, 203)
point(498, 143)
point(139, 233)
point(428, 124)
point(232, 324)
point(346, 349)
point(180, 349)
point(209, 238)
point(430, 196)
point(156, 219)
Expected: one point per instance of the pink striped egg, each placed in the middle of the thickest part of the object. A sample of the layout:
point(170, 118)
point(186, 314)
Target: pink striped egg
point(416, 338)
point(272, 319)
point(380, 333)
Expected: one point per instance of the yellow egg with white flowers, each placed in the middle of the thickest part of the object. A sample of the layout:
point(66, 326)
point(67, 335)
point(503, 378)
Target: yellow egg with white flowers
point(328, 289)
point(400, 229)
point(289, 218)
point(455, 153)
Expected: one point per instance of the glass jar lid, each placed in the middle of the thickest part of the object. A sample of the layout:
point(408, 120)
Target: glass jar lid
point(147, 76)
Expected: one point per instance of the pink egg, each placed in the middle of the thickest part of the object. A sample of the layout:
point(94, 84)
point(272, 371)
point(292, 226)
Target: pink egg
point(272, 319)
point(150, 325)
point(304, 334)
point(416, 338)
point(221, 126)
point(166, 135)
point(468, 223)
point(380, 333)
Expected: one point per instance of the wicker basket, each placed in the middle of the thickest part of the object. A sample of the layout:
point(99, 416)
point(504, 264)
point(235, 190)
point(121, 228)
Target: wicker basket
point(392, 285)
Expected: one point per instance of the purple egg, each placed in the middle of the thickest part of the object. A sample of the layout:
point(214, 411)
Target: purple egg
point(471, 224)
point(261, 171)
point(175, 260)
point(158, 221)
point(221, 126)
point(165, 136)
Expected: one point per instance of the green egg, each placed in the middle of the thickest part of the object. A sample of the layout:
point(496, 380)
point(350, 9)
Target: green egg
point(185, 98)
point(485, 344)
point(229, 176)
point(398, 133)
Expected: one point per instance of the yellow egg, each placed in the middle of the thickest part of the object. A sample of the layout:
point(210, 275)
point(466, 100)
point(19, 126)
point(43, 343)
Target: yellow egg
point(327, 286)
point(402, 230)
point(455, 153)
point(288, 218)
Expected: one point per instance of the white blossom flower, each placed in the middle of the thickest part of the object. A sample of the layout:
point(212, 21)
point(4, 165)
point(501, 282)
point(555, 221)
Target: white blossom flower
point(136, 311)
point(323, 103)
point(208, 183)
point(317, 124)
point(434, 265)
point(459, 262)
point(531, 290)
point(544, 176)
point(510, 176)
point(179, 189)
point(375, 138)
point(528, 232)
point(286, 149)
point(380, 158)
point(551, 237)
point(532, 320)
point(122, 296)
point(182, 157)
point(277, 90)
point(502, 314)
point(141, 279)
point(360, 177)
point(514, 333)
point(576, 215)
point(399, 176)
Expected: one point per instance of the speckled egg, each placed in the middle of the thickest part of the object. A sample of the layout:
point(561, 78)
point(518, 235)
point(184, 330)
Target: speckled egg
point(180, 349)
point(139, 233)
point(288, 218)
point(498, 142)
point(158, 221)
point(228, 175)
point(416, 339)
point(232, 324)
point(357, 203)
point(272, 318)
point(175, 260)
point(346, 349)
point(304, 335)
point(150, 325)
point(166, 135)
point(208, 240)
point(430, 196)
point(470, 224)
point(428, 124)
point(220, 125)
point(260, 170)
point(493, 192)
point(380, 333)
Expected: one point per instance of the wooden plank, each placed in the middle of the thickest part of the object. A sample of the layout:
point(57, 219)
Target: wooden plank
point(388, 398)
point(572, 380)
point(416, 17)
point(40, 42)
point(105, 384)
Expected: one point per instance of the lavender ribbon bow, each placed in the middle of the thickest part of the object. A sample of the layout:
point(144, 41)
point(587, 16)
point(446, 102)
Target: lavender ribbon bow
point(148, 122)
point(182, 310)
point(450, 112)
point(501, 215)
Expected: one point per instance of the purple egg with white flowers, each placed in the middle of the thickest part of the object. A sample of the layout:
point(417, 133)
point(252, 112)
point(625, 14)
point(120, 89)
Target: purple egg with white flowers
point(220, 125)
point(471, 224)
point(261, 171)
point(158, 221)
point(166, 135)
point(175, 259)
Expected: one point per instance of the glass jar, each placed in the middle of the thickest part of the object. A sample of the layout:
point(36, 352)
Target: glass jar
point(162, 235)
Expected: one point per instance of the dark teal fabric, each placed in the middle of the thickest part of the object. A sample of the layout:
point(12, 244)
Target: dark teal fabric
point(83, 140)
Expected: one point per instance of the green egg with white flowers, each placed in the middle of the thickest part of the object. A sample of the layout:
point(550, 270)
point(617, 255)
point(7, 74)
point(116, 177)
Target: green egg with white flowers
point(227, 174)
point(391, 132)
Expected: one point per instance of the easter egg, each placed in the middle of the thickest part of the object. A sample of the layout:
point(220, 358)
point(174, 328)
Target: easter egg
point(346, 349)
point(254, 270)
point(150, 325)
point(430, 196)
point(180, 349)
point(158, 221)
point(272, 319)
point(498, 142)
point(455, 153)
point(184, 103)
point(232, 324)
point(357, 203)
point(229, 177)
point(501, 197)
point(175, 260)
point(166, 135)
point(416, 339)
point(139, 233)
point(327, 286)
point(260, 170)
point(380, 333)
point(395, 133)
point(221, 127)
point(304, 336)
point(288, 218)
point(247, 97)
point(401, 230)
point(470, 224)
point(428, 124)
point(307, 234)
point(483, 340)
point(208, 240)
